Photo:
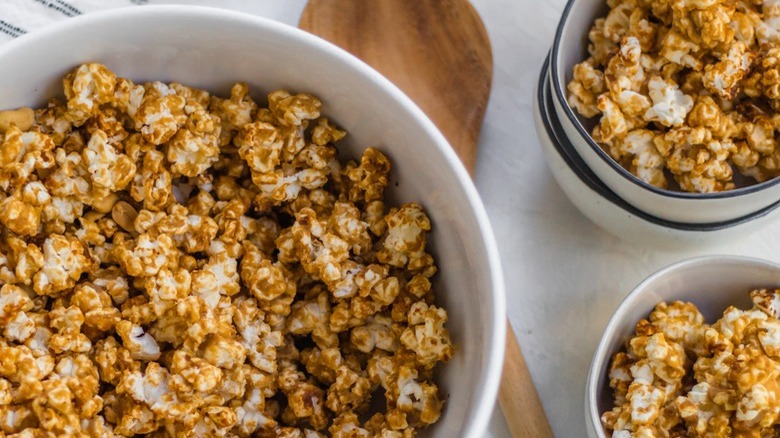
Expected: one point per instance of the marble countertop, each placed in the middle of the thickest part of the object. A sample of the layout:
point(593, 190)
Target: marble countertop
point(564, 275)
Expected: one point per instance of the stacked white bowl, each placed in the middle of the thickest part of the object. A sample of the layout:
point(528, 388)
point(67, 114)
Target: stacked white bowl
point(609, 194)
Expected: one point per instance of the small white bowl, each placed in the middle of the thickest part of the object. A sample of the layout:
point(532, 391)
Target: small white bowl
point(712, 283)
point(606, 209)
point(213, 48)
point(569, 49)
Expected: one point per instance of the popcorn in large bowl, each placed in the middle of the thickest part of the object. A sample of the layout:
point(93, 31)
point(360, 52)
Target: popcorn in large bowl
point(230, 262)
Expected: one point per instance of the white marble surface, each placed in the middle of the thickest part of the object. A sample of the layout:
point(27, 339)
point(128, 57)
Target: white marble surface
point(564, 275)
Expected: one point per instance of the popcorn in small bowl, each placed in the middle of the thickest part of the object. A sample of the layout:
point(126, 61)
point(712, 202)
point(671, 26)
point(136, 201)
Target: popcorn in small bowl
point(670, 104)
point(691, 351)
point(680, 375)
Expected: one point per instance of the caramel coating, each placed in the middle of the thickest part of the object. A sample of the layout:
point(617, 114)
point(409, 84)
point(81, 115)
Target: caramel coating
point(685, 92)
point(680, 376)
point(178, 264)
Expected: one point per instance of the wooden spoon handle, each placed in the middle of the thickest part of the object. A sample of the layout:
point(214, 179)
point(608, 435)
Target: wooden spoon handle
point(518, 397)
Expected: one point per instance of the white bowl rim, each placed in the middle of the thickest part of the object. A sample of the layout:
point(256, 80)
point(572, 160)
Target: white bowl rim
point(577, 165)
point(591, 386)
point(628, 176)
point(491, 375)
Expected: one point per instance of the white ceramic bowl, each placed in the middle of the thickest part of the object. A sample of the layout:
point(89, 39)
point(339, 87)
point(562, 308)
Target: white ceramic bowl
point(213, 48)
point(570, 48)
point(712, 283)
point(607, 210)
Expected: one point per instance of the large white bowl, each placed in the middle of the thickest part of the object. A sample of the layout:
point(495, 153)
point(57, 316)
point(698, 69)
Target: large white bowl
point(609, 211)
point(569, 49)
point(712, 283)
point(212, 48)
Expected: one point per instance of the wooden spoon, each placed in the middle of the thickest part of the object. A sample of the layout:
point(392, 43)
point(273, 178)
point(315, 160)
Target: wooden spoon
point(438, 53)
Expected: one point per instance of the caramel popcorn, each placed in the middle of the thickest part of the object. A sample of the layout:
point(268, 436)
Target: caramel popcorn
point(680, 376)
point(173, 263)
point(685, 91)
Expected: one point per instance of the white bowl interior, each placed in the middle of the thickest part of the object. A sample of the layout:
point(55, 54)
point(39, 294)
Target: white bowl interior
point(213, 48)
point(571, 48)
point(712, 283)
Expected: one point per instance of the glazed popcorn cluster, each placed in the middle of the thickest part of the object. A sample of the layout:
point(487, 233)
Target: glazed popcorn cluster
point(682, 377)
point(178, 264)
point(688, 91)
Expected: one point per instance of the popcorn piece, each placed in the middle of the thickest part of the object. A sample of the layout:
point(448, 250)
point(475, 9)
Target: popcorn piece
point(768, 29)
point(670, 105)
point(645, 404)
point(679, 50)
point(21, 153)
point(14, 302)
point(313, 316)
point(113, 360)
point(218, 277)
point(66, 324)
point(405, 240)
point(426, 335)
point(195, 148)
point(146, 255)
point(96, 306)
point(152, 389)
point(160, 114)
point(767, 300)
point(347, 425)
point(64, 260)
point(723, 78)
point(52, 121)
point(701, 413)
point(257, 337)
point(141, 346)
point(351, 390)
point(305, 400)
point(377, 333)
point(152, 185)
point(235, 112)
point(698, 163)
point(319, 252)
point(86, 88)
point(617, 22)
point(645, 161)
point(369, 180)
point(260, 144)
point(584, 89)
point(680, 322)
point(266, 281)
point(707, 114)
point(108, 169)
point(613, 122)
point(418, 401)
point(252, 416)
